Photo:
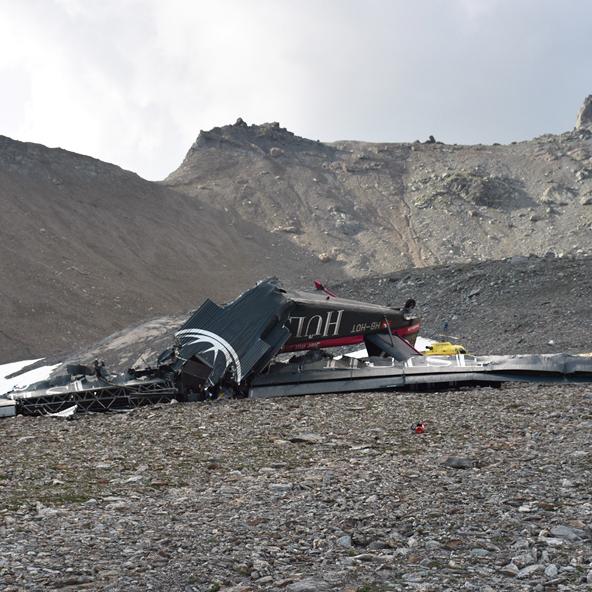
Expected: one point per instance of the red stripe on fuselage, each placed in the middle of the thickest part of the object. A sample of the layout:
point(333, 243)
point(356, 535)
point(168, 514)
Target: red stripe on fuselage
point(339, 341)
point(406, 330)
point(320, 343)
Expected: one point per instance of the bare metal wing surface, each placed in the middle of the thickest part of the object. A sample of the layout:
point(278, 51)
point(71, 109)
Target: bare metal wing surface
point(417, 373)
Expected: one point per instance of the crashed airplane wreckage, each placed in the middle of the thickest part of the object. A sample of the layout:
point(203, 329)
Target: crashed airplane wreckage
point(234, 350)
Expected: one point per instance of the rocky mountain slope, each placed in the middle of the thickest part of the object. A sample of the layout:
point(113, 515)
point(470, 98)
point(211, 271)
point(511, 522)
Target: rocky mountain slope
point(379, 207)
point(518, 305)
point(88, 248)
point(311, 494)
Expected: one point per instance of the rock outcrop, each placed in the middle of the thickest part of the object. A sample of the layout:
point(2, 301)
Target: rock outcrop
point(378, 207)
point(584, 118)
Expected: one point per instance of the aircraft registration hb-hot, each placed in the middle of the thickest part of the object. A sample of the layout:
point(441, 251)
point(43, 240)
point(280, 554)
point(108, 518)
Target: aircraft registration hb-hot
point(321, 320)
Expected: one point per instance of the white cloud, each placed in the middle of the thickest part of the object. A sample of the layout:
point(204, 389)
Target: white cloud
point(132, 81)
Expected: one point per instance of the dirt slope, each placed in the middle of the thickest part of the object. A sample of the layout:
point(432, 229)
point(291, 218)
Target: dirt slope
point(87, 248)
point(378, 207)
point(515, 306)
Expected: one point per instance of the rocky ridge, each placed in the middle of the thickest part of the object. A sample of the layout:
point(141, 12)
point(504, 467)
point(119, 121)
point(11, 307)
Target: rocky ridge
point(584, 118)
point(519, 305)
point(329, 492)
point(378, 207)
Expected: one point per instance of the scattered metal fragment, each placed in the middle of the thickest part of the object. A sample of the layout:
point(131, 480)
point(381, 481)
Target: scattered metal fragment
point(7, 408)
point(67, 413)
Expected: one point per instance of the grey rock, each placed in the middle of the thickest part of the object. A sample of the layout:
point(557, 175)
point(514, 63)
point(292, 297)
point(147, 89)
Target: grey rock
point(349, 227)
point(365, 557)
point(344, 541)
point(551, 571)
point(43, 512)
point(308, 585)
point(567, 532)
point(290, 229)
point(117, 506)
point(584, 117)
point(510, 569)
point(281, 487)
point(432, 544)
point(306, 438)
point(518, 260)
point(529, 570)
point(524, 559)
point(458, 462)
point(412, 577)
point(377, 545)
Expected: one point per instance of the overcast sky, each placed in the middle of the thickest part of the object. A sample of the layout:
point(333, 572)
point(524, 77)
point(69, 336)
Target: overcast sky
point(133, 81)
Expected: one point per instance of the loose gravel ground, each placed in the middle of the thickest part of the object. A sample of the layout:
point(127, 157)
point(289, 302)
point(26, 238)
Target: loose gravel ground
point(519, 305)
point(302, 494)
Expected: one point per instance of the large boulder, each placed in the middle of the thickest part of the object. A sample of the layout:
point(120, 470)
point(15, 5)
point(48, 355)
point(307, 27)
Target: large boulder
point(584, 119)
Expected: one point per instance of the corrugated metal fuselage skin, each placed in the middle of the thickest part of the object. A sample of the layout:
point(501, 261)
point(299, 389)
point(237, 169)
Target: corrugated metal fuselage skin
point(241, 337)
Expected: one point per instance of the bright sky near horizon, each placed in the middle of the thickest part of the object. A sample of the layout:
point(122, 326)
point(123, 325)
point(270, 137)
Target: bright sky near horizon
point(133, 81)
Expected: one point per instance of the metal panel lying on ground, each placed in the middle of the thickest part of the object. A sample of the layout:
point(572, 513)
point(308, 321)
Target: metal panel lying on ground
point(419, 372)
point(7, 408)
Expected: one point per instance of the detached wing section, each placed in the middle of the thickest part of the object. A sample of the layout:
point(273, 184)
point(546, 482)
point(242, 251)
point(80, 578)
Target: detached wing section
point(233, 341)
point(393, 345)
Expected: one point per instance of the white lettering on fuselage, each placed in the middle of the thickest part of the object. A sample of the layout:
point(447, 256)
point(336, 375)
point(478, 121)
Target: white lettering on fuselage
point(369, 326)
point(316, 325)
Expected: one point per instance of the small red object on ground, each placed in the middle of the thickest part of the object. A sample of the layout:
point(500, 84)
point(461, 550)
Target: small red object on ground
point(419, 428)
